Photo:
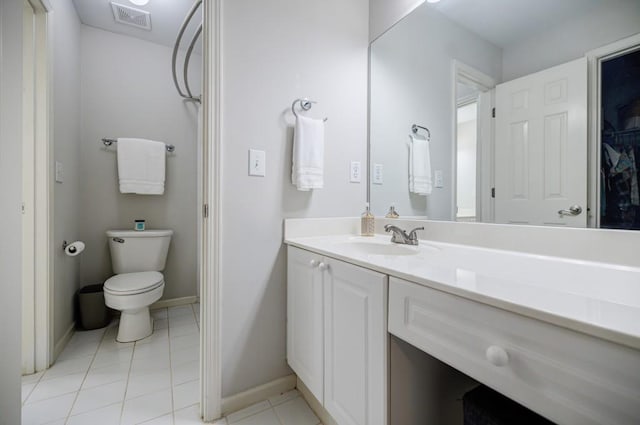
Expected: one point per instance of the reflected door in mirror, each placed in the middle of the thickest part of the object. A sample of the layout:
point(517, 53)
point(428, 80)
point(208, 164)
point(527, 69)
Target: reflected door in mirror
point(541, 147)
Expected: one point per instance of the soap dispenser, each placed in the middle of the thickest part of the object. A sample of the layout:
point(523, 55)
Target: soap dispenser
point(367, 222)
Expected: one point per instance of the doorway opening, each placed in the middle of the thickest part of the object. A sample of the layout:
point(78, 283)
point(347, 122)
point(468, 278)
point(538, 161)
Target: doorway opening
point(116, 89)
point(467, 148)
point(473, 144)
point(620, 142)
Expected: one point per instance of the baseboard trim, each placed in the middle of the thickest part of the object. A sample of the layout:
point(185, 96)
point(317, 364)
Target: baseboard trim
point(174, 302)
point(315, 405)
point(254, 395)
point(59, 346)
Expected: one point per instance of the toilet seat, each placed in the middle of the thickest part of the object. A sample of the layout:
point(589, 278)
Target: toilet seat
point(133, 283)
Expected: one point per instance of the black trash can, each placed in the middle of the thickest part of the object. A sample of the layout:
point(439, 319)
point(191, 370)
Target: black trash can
point(483, 406)
point(92, 309)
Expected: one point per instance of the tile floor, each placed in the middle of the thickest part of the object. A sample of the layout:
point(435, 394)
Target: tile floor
point(284, 409)
point(99, 381)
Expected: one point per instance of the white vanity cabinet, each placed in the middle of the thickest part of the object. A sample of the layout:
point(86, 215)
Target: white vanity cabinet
point(305, 334)
point(570, 377)
point(337, 335)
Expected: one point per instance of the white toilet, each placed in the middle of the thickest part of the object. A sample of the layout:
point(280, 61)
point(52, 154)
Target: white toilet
point(137, 259)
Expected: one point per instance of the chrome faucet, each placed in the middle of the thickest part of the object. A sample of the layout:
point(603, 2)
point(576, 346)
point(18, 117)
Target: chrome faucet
point(401, 237)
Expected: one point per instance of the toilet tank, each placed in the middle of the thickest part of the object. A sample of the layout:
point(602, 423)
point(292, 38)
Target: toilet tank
point(138, 251)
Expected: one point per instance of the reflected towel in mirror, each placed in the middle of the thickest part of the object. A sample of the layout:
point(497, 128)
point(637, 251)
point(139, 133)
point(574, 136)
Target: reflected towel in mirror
point(420, 181)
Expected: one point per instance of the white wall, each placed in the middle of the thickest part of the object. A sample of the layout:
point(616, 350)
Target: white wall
point(595, 27)
point(273, 53)
point(10, 216)
point(127, 91)
point(383, 14)
point(412, 83)
point(65, 39)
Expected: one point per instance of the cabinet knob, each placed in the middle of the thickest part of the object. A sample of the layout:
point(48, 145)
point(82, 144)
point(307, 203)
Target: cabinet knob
point(497, 356)
point(323, 266)
point(313, 263)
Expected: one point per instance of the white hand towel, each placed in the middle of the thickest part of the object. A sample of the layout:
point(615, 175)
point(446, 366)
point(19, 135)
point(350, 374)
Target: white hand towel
point(420, 181)
point(141, 166)
point(308, 154)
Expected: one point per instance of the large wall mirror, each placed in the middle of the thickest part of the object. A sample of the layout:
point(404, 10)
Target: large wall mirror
point(509, 111)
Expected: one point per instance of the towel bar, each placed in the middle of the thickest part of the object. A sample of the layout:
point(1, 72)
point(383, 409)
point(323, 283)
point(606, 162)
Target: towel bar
point(108, 142)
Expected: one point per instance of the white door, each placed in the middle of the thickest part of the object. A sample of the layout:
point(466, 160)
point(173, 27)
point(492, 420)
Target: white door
point(355, 344)
point(541, 147)
point(484, 168)
point(305, 335)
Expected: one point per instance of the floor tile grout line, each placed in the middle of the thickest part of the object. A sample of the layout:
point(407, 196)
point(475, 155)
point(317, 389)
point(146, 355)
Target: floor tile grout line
point(277, 416)
point(34, 387)
point(195, 316)
point(251, 415)
point(85, 375)
point(173, 406)
point(93, 410)
point(126, 386)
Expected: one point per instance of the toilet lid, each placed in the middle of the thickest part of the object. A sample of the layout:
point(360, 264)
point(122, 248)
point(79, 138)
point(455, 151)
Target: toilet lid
point(133, 283)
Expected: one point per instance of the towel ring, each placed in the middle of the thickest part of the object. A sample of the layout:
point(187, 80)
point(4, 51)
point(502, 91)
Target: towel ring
point(415, 127)
point(305, 105)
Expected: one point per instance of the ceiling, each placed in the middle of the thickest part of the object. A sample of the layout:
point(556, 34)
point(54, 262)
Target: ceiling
point(505, 22)
point(166, 18)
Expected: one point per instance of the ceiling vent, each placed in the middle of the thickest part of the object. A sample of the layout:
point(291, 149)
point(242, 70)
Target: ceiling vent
point(131, 16)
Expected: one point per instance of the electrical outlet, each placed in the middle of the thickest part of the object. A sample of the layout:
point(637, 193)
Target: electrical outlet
point(377, 173)
point(257, 164)
point(355, 174)
point(59, 172)
point(439, 179)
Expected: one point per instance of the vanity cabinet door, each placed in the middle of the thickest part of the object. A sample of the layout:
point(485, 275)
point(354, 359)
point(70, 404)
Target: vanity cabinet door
point(355, 351)
point(305, 318)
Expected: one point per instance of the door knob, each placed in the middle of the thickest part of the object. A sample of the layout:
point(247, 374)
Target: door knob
point(313, 263)
point(573, 210)
point(323, 266)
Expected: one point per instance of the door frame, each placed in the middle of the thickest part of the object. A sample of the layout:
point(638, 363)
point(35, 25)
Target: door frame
point(210, 339)
point(28, 188)
point(37, 199)
point(210, 276)
point(469, 75)
point(594, 61)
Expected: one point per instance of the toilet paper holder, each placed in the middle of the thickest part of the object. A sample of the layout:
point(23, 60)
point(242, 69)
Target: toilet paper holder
point(73, 250)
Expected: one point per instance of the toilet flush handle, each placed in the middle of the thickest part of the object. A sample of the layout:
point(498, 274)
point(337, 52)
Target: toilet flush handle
point(119, 240)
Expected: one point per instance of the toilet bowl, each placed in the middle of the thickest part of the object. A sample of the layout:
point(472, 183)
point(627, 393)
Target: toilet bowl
point(132, 294)
point(137, 258)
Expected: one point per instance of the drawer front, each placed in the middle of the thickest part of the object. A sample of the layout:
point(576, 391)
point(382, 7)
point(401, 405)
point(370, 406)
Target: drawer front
point(569, 377)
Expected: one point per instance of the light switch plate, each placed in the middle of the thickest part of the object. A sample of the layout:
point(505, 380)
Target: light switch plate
point(59, 172)
point(439, 179)
point(377, 174)
point(356, 171)
point(257, 164)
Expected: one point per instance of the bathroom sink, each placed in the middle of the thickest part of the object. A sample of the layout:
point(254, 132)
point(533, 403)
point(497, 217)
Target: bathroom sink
point(376, 248)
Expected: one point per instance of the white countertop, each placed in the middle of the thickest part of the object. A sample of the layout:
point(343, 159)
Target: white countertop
point(598, 299)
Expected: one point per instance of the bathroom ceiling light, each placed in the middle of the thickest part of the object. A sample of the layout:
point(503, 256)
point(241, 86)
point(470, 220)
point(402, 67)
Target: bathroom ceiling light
point(139, 2)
